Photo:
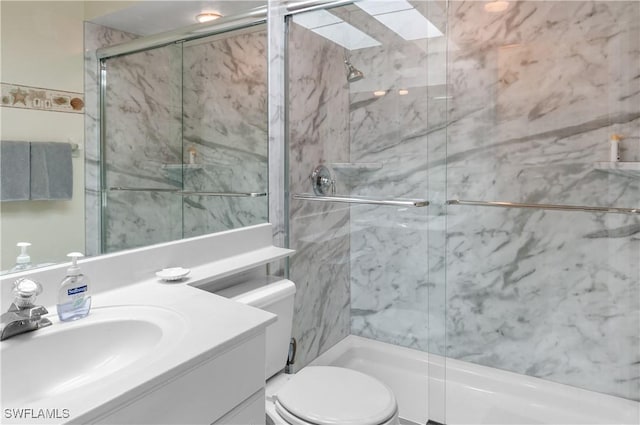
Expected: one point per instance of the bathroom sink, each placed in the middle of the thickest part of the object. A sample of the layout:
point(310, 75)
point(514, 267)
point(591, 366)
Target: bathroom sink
point(70, 358)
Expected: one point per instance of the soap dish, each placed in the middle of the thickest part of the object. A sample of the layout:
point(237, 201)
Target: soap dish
point(173, 273)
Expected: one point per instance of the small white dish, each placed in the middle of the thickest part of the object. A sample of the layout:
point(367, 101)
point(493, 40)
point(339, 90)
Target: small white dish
point(173, 273)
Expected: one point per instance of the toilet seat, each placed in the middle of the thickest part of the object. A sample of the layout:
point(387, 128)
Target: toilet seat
point(327, 395)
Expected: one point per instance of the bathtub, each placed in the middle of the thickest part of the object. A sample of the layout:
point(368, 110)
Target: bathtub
point(473, 394)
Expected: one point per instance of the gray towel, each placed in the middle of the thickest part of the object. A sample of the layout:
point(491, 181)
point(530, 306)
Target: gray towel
point(51, 171)
point(14, 171)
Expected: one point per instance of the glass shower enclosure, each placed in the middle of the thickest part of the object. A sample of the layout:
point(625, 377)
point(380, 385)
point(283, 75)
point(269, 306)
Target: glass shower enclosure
point(184, 139)
point(468, 205)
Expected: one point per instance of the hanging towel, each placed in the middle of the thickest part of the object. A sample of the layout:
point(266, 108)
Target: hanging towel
point(14, 171)
point(51, 171)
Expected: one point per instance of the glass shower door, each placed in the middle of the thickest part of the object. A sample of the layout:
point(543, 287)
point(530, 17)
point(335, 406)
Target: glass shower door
point(141, 149)
point(367, 100)
point(436, 120)
point(225, 131)
point(184, 139)
point(543, 320)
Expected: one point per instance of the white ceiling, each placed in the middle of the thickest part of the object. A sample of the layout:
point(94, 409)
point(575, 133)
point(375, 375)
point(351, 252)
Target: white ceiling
point(151, 16)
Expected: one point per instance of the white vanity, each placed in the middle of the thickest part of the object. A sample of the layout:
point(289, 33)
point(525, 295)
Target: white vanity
point(150, 351)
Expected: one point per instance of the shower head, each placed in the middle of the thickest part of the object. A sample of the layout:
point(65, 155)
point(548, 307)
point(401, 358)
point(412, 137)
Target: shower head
point(353, 74)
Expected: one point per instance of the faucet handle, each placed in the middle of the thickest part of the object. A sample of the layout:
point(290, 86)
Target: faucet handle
point(36, 312)
point(26, 290)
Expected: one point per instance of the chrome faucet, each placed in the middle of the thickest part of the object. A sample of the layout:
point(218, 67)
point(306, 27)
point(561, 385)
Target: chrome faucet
point(23, 315)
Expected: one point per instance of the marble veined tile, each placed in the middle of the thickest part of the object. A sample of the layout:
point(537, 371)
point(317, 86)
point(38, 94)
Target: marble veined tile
point(143, 108)
point(318, 133)
point(526, 108)
point(534, 99)
point(202, 105)
point(391, 283)
point(95, 36)
point(143, 136)
point(549, 294)
point(138, 219)
point(225, 134)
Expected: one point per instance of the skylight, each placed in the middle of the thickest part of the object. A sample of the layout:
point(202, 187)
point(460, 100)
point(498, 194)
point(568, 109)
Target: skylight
point(400, 17)
point(335, 29)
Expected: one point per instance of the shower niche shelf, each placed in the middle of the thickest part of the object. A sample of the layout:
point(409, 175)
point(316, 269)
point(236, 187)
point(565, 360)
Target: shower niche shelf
point(623, 168)
point(353, 170)
point(355, 166)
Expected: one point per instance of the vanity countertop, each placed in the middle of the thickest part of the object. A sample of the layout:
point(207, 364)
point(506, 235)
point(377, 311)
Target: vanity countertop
point(203, 326)
point(142, 335)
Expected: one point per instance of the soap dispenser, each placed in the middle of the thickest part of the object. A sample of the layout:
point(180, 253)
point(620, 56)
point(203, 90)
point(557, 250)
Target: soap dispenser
point(74, 299)
point(23, 261)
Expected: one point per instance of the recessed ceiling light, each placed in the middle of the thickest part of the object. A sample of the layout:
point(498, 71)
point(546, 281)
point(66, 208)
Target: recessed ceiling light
point(379, 93)
point(208, 16)
point(403, 92)
point(496, 6)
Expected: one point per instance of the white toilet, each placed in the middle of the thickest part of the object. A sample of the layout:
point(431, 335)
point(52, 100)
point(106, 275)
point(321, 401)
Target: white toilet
point(316, 395)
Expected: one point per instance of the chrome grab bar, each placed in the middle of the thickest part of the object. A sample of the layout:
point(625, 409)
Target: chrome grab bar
point(361, 200)
point(545, 206)
point(189, 192)
point(142, 189)
point(225, 194)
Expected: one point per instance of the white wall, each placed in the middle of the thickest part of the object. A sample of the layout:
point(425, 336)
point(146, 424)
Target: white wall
point(42, 45)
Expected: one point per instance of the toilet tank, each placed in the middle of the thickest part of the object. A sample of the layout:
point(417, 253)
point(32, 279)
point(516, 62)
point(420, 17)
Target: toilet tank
point(276, 296)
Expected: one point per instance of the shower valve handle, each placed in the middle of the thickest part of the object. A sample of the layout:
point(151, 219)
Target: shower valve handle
point(322, 181)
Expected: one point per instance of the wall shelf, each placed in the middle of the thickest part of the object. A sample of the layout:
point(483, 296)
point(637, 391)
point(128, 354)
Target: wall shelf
point(623, 168)
point(354, 170)
point(206, 273)
point(355, 166)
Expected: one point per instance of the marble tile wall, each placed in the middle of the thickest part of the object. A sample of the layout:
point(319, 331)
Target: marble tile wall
point(208, 98)
point(548, 294)
point(95, 36)
point(143, 147)
point(225, 126)
point(319, 232)
point(535, 96)
point(396, 257)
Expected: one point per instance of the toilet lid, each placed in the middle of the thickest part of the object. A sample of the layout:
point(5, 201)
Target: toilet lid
point(327, 395)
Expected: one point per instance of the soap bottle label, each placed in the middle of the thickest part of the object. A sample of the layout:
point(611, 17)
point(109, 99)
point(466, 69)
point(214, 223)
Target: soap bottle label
point(78, 290)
